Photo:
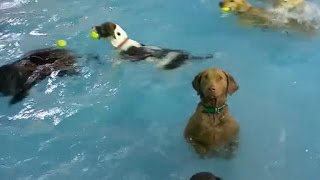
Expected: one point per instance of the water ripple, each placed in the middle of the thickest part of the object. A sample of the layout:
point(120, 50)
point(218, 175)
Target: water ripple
point(64, 167)
point(46, 144)
point(56, 113)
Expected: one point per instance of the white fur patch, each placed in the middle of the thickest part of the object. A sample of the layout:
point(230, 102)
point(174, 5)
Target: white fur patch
point(166, 60)
point(121, 37)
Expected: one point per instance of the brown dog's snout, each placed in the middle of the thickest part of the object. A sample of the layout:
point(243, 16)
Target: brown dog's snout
point(221, 4)
point(211, 89)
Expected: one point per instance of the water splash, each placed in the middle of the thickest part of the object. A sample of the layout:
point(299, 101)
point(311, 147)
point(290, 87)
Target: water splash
point(12, 4)
point(309, 15)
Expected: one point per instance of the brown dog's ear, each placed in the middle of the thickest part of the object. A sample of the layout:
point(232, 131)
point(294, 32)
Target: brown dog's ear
point(196, 83)
point(232, 84)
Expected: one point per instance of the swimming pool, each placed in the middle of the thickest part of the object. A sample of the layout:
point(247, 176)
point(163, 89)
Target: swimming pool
point(126, 122)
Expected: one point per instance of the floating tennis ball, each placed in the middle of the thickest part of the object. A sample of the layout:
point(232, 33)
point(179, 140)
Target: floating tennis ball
point(225, 9)
point(94, 35)
point(61, 43)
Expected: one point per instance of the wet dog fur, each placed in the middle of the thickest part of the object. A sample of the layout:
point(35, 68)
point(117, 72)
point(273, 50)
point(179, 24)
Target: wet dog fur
point(211, 129)
point(17, 78)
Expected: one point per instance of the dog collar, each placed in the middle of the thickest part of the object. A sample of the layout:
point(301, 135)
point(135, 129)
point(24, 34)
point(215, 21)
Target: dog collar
point(121, 44)
point(213, 110)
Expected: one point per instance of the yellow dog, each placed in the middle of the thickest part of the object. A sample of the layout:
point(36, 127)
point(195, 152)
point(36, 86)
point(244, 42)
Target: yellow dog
point(253, 16)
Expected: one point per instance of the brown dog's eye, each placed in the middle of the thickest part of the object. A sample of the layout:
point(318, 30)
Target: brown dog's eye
point(118, 34)
point(206, 76)
point(220, 78)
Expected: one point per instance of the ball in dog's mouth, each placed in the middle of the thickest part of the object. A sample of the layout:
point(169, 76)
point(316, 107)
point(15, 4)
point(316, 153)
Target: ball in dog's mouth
point(223, 8)
point(99, 32)
point(94, 35)
point(96, 29)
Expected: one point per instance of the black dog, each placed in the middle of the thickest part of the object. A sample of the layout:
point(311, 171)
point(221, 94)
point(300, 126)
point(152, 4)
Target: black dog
point(204, 176)
point(17, 78)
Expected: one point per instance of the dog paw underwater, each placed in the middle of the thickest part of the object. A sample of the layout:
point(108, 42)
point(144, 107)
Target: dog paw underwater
point(134, 51)
point(17, 78)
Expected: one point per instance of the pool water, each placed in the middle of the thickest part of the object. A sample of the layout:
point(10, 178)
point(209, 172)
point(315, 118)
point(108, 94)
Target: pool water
point(126, 122)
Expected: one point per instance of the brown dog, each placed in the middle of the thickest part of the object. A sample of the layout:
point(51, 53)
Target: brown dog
point(250, 15)
point(212, 128)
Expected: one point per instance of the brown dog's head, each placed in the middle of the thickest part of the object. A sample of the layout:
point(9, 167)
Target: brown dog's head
point(235, 5)
point(288, 4)
point(214, 83)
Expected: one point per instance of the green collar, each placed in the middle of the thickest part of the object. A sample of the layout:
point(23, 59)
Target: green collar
point(213, 110)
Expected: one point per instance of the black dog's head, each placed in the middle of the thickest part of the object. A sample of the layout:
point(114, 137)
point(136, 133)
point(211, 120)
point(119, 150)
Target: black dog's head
point(12, 81)
point(204, 176)
point(18, 77)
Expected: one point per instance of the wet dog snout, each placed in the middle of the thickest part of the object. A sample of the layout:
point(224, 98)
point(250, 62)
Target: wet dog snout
point(211, 89)
point(221, 4)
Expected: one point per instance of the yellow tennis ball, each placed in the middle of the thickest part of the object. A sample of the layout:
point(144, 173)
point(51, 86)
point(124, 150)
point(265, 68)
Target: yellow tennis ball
point(61, 43)
point(226, 9)
point(94, 35)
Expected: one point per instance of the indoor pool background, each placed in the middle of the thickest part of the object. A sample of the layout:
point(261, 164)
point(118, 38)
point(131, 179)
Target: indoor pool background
point(126, 122)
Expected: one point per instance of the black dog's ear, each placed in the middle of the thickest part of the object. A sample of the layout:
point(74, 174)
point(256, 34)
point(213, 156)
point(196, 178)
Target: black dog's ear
point(106, 29)
point(232, 84)
point(196, 83)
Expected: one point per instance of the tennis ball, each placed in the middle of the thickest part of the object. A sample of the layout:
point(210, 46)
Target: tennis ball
point(226, 9)
point(94, 35)
point(61, 43)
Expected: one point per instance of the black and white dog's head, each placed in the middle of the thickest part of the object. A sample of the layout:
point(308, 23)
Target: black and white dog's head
point(116, 35)
point(106, 30)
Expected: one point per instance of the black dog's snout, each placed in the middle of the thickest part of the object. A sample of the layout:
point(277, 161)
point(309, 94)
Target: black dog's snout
point(98, 29)
point(220, 4)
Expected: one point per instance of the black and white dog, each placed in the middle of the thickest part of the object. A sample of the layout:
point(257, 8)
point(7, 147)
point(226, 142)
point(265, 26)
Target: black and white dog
point(17, 78)
point(135, 51)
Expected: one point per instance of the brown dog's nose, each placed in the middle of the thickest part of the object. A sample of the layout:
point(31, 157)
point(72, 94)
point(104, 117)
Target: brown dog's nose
point(220, 4)
point(211, 89)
